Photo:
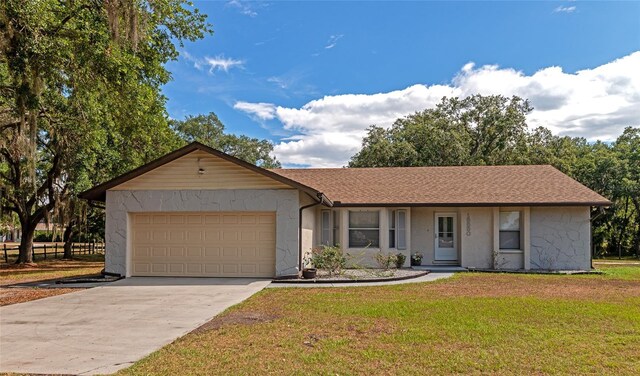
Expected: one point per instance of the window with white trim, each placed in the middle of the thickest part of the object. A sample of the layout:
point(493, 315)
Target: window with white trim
point(364, 229)
point(510, 230)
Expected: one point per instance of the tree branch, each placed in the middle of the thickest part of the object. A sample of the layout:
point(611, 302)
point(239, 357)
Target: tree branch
point(67, 19)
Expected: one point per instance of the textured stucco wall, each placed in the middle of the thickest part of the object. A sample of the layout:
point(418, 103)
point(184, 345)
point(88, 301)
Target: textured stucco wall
point(282, 201)
point(560, 238)
point(422, 233)
point(476, 235)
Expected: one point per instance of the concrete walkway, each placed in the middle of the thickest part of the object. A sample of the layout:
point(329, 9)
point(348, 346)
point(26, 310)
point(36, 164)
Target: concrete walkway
point(426, 278)
point(104, 329)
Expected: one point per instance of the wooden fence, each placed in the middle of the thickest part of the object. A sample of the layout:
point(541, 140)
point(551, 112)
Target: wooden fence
point(54, 250)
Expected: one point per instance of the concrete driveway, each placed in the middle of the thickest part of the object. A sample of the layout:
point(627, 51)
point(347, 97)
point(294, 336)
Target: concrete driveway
point(107, 328)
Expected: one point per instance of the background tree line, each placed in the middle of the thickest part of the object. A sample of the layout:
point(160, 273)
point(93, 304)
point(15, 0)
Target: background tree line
point(81, 102)
point(492, 130)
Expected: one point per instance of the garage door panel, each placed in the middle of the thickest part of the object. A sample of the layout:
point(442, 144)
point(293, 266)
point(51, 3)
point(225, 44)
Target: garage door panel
point(266, 236)
point(176, 252)
point(248, 219)
point(194, 269)
point(176, 219)
point(141, 268)
point(141, 251)
point(211, 219)
point(229, 235)
point(267, 219)
point(248, 236)
point(142, 235)
point(212, 269)
point(159, 219)
point(159, 268)
point(230, 253)
point(231, 269)
point(248, 269)
point(211, 235)
point(176, 236)
point(211, 252)
point(231, 219)
point(266, 269)
point(159, 236)
point(157, 252)
point(194, 235)
point(194, 252)
point(248, 253)
point(194, 219)
point(176, 268)
point(203, 244)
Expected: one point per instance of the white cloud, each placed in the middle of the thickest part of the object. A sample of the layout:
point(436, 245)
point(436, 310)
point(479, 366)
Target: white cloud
point(243, 7)
point(594, 103)
point(221, 63)
point(333, 41)
point(562, 9)
point(262, 111)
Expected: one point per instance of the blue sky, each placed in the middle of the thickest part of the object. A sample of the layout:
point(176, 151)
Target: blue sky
point(289, 71)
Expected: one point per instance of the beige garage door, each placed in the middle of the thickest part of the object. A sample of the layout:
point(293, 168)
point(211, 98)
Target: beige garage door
point(203, 244)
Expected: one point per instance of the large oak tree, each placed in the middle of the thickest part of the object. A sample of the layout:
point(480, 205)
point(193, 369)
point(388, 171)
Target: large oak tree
point(80, 96)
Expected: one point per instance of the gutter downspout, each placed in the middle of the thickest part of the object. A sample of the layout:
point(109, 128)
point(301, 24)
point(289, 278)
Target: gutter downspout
point(593, 248)
point(319, 200)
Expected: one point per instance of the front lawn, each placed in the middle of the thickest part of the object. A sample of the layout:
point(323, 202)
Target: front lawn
point(472, 323)
point(44, 270)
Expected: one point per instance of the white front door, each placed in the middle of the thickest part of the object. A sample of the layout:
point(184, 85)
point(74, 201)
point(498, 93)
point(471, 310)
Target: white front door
point(445, 237)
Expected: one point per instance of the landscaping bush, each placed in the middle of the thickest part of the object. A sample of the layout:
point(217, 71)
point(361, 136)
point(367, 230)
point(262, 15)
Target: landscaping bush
point(386, 260)
point(328, 258)
point(400, 259)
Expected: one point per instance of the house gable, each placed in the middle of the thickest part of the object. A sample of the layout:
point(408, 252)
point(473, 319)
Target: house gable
point(200, 170)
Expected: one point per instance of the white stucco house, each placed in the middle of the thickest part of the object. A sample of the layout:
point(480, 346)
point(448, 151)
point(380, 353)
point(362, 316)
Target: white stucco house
point(200, 212)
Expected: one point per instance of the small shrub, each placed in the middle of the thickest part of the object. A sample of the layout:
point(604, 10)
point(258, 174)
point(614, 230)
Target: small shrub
point(400, 259)
point(328, 258)
point(386, 260)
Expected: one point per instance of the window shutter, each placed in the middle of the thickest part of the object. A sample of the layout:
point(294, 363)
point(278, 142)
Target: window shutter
point(401, 228)
point(325, 236)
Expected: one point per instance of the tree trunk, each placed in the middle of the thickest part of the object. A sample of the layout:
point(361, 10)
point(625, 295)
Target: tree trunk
point(26, 243)
point(68, 241)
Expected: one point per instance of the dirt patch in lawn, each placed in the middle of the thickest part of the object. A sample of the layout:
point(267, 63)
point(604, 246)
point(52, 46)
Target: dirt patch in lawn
point(48, 269)
point(237, 318)
point(565, 287)
point(20, 295)
point(44, 270)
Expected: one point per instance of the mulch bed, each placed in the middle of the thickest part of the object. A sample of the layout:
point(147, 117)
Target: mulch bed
point(359, 275)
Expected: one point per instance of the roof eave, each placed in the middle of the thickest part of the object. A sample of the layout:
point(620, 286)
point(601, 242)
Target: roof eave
point(468, 204)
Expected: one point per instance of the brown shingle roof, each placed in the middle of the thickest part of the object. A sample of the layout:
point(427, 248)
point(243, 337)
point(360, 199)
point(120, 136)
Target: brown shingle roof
point(447, 186)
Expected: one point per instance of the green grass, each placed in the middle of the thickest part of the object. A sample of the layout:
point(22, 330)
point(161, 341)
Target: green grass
point(472, 323)
point(624, 272)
